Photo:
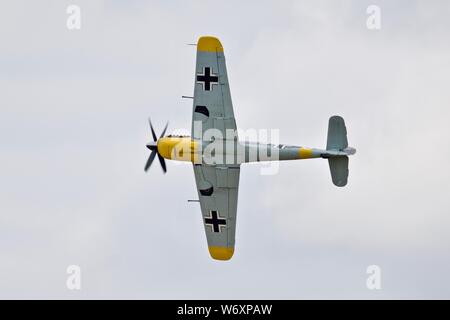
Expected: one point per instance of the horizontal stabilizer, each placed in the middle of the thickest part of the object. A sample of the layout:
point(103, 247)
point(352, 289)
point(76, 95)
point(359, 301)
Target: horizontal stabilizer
point(337, 150)
point(339, 170)
point(337, 134)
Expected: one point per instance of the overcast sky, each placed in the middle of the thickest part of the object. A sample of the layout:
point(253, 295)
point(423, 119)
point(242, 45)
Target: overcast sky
point(73, 128)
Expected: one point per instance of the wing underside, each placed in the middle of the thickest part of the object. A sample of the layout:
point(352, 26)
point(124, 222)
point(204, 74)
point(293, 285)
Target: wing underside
point(218, 194)
point(217, 184)
point(213, 108)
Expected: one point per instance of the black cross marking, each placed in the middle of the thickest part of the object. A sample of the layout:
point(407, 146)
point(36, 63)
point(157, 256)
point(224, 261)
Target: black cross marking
point(207, 79)
point(215, 221)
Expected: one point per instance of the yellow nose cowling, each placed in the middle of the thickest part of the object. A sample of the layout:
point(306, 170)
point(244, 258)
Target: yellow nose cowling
point(178, 148)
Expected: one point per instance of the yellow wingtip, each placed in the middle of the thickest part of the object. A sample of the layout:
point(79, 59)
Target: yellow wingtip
point(209, 44)
point(221, 253)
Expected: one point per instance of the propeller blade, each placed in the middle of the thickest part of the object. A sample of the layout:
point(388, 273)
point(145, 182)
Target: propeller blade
point(162, 162)
point(164, 131)
point(150, 160)
point(154, 147)
point(153, 131)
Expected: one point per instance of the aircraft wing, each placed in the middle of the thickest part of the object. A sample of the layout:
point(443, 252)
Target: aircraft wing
point(212, 98)
point(217, 188)
point(217, 184)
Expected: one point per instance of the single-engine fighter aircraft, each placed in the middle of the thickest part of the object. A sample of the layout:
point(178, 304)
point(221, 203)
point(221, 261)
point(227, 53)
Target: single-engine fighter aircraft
point(216, 152)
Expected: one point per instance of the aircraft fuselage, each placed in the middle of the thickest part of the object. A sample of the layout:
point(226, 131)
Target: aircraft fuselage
point(182, 148)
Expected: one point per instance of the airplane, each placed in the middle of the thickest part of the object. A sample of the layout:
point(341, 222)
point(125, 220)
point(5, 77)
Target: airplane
point(217, 168)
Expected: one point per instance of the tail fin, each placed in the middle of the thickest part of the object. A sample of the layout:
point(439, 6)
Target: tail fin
point(338, 145)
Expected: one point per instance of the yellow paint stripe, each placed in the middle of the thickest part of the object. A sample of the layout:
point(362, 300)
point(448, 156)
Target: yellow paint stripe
point(209, 44)
point(221, 253)
point(305, 153)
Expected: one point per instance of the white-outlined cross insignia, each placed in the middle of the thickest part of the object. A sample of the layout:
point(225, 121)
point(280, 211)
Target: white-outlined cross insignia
point(215, 221)
point(207, 79)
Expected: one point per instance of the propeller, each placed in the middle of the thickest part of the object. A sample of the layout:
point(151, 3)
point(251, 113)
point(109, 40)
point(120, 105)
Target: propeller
point(153, 146)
